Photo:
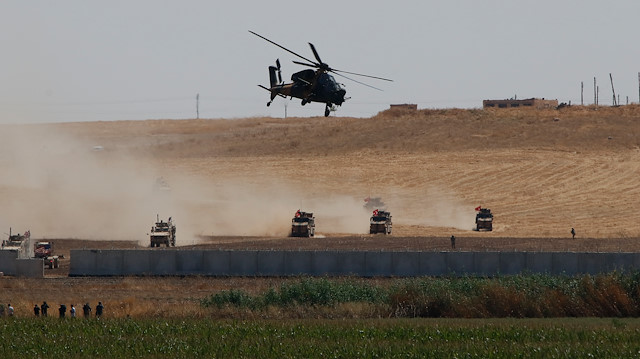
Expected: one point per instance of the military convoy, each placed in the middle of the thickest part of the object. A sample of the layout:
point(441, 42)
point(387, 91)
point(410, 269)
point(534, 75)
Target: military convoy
point(484, 219)
point(303, 224)
point(163, 233)
point(380, 222)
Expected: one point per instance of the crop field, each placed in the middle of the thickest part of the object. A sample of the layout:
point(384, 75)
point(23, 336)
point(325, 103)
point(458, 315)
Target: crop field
point(388, 338)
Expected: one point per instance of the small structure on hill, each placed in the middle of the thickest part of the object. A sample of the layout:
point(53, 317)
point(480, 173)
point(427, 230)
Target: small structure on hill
point(404, 106)
point(538, 103)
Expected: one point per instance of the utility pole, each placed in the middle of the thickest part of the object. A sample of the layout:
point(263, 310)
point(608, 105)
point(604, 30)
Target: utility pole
point(581, 93)
point(638, 87)
point(197, 106)
point(595, 92)
point(615, 102)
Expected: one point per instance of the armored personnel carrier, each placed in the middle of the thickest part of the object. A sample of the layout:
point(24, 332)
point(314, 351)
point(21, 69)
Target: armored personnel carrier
point(163, 233)
point(484, 219)
point(303, 224)
point(19, 243)
point(380, 222)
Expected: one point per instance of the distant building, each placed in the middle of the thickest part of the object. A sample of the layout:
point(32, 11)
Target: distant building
point(405, 106)
point(530, 102)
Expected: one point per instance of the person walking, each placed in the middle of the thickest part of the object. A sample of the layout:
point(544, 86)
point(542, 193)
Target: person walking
point(86, 310)
point(36, 310)
point(453, 241)
point(573, 233)
point(99, 309)
point(72, 311)
point(43, 308)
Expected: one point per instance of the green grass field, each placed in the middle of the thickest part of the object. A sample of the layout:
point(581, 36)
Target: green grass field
point(520, 296)
point(375, 338)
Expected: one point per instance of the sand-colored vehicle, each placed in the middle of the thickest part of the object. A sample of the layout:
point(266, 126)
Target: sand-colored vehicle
point(380, 222)
point(163, 233)
point(303, 224)
point(484, 219)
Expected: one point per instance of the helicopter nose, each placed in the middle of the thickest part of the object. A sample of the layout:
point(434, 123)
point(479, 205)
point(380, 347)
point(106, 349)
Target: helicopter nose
point(339, 96)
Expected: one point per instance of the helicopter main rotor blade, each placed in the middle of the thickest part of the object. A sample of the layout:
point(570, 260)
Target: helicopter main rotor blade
point(282, 47)
point(315, 53)
point(304, 64)
point(357, 74)
point(360, 82)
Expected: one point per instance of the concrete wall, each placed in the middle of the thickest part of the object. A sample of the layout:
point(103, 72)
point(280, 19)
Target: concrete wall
point(340, 263)
point(11, 264)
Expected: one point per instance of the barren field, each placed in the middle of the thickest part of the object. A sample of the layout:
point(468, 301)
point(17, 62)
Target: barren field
point(237, 183)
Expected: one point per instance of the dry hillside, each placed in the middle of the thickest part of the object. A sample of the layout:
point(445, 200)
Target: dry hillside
point(540, 171)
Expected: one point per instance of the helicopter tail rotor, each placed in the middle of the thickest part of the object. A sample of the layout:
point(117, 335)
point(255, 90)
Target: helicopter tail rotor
point(273, 79)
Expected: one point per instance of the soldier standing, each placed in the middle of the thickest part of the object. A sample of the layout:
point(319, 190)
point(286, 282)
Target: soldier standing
point(62, 310)
point(10, 309)
point(99, 309)
point(453, 241)
point(573, 233)
point(86, 310)
point(36, 310)
point(73, 311)
point(44, 308)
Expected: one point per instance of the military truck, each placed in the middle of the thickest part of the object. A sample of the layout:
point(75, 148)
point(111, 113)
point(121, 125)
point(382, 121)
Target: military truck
point(163, 233)
point(484, 219)
point(20, 243)
point(380, 222)
point(44, 250)
point(303, 224)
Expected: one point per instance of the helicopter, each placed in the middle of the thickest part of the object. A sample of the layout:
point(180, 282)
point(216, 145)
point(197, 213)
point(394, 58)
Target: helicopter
point(311, 85)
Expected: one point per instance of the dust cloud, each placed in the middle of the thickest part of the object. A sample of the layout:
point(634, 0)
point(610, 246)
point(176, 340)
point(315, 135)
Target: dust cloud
point(61, 186)
point(437, 207)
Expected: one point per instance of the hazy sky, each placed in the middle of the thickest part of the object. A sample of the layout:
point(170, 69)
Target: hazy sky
point(147, 59)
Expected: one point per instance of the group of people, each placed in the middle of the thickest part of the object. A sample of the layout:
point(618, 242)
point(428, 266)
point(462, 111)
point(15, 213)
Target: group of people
point(43, 310)
point(10, 310)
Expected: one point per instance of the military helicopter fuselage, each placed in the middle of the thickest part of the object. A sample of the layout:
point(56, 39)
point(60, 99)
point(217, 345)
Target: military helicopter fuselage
point(310, 85)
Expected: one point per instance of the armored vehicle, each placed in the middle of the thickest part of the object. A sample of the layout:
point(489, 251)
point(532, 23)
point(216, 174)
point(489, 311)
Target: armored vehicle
point(19, 243)
point(484, 219)
point(163, 233)
point(380, 222)
point(303, 224)
point(44, 250)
